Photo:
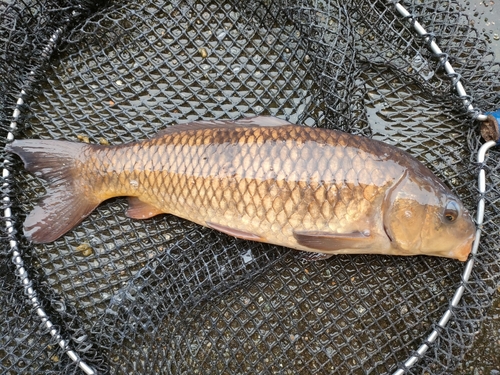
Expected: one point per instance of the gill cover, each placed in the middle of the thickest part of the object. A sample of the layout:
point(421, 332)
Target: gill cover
point(406, 208)
point(422, 216)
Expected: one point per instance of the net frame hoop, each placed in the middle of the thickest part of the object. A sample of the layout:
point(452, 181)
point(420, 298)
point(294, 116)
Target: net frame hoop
point(455, 77)
point(419, 353)
point(21, 271)
point(481, 179)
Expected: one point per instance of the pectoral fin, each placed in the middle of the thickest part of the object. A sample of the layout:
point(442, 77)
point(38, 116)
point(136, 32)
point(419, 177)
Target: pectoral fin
point(140, 210)
point(326, 241)
point(234, 232)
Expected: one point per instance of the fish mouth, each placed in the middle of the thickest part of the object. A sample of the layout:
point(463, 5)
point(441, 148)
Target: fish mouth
point(463, 251)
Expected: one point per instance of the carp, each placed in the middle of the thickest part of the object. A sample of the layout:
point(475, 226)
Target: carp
point(260, 179)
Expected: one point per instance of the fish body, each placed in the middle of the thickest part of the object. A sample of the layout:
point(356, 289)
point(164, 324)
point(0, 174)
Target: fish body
point(260, 179)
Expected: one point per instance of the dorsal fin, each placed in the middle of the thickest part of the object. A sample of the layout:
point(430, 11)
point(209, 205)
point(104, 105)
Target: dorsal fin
point(261, 121)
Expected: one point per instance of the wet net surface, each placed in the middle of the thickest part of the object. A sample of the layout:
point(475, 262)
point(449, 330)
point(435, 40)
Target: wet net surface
point(165, 295)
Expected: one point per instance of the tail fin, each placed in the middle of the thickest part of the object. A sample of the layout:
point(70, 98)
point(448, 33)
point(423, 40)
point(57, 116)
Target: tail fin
point(65, 205)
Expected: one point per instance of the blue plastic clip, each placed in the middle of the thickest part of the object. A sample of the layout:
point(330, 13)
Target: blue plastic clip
point(490, 129)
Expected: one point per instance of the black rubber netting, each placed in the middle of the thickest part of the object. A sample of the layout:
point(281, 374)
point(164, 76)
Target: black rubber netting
point(164, 295)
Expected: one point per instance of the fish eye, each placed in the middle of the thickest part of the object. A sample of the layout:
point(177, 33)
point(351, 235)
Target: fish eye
point(451, 211)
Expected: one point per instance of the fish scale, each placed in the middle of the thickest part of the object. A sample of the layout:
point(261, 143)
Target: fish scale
point(252, 199)
point(260, 179)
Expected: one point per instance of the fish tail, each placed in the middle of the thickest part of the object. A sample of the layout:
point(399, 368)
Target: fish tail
point(66, 203)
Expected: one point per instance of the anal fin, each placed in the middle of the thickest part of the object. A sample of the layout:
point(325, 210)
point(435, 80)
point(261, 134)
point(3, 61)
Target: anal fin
point(141, 210)
point(326, 241)
point(234, 232)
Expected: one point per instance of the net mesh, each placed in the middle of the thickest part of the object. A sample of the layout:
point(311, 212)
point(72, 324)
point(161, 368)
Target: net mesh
point(165, 295)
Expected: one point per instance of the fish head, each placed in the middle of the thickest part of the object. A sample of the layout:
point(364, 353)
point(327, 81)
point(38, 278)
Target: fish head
point(423, 217)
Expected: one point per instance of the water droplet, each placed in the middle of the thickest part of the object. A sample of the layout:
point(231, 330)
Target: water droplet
point(248, 257)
